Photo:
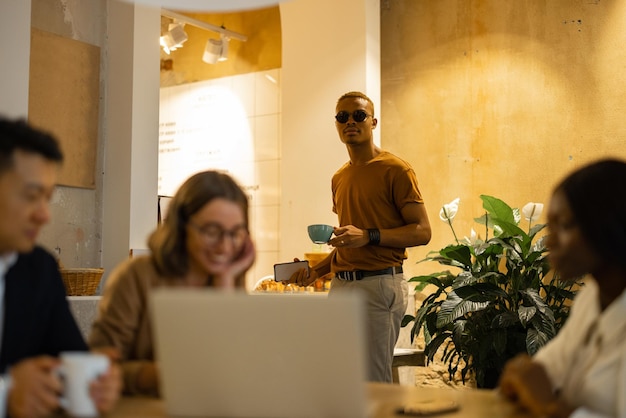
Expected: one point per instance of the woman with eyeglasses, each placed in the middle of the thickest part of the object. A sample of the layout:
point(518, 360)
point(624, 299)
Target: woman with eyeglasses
point(202, 242)
point(582, 371)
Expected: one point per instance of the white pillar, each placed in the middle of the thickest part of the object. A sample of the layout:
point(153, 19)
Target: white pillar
point(329, 48)
point(131, 130)
point(15, 53)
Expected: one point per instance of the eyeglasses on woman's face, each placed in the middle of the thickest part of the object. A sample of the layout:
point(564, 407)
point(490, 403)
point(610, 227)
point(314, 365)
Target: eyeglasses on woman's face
point(358, 115)
point(213, 233)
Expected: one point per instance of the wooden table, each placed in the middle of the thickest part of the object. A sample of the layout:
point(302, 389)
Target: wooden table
point(385, 399)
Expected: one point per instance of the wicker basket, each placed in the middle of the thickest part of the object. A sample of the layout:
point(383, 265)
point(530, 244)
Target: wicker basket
point(80, 281)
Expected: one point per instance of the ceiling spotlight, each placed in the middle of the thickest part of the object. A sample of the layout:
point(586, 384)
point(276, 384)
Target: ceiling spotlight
point(212, 51)
point(174, 38)
point(225, 41)
point(216, 50)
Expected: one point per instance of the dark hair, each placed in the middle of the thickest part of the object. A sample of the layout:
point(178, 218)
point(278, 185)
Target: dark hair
point(357, 95)
point(19, 135)
point(168, 242)
point(596, 197)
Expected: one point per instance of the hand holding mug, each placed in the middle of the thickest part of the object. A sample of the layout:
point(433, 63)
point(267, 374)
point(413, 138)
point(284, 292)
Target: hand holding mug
point(34, 388)
point(105, 391)
point(320, 233)
point(84, 373)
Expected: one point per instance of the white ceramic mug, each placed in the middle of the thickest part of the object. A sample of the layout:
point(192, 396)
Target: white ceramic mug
point(78, 369)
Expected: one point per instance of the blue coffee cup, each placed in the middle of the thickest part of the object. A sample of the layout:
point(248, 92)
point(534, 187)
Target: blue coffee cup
point(320, 233)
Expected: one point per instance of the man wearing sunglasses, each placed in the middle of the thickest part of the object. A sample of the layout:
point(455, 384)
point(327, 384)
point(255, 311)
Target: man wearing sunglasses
point(381, 213)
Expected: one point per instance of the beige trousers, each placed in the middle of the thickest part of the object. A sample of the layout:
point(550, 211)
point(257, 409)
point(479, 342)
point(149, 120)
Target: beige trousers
point(386, 299)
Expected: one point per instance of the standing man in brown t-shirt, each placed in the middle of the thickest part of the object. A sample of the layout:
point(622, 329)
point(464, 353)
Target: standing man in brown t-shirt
point(381, 213)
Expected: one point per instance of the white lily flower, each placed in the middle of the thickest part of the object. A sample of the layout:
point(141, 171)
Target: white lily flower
point(473, 238)
point(449, 210)
point(532, 211)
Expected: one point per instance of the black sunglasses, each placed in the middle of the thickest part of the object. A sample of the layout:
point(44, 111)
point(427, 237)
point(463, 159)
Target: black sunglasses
point(357, 116)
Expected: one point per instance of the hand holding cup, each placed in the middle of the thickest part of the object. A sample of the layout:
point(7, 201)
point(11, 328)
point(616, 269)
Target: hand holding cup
point(320, 233)
point(78, 370)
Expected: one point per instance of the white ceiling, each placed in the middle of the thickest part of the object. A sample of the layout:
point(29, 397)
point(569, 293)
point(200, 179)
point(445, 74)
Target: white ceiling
point(209, 5)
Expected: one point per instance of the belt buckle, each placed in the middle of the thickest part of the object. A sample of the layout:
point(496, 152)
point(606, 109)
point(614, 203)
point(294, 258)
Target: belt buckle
point(349, 276)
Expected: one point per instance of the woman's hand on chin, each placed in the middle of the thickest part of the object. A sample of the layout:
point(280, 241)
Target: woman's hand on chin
point(238, 267)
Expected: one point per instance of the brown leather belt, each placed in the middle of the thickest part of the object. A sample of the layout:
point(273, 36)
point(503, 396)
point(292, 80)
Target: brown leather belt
point(360, 274)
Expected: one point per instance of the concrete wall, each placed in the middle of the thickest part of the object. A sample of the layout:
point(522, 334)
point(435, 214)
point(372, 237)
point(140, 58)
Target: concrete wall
point(75, 232)
point(14, 25)
point(500, 98)
point(96, 228)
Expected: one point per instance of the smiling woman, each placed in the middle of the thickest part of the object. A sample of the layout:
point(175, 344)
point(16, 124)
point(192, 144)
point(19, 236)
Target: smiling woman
point(202, 242)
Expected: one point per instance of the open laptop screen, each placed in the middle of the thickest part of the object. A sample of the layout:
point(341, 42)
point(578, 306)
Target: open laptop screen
point(234, 354)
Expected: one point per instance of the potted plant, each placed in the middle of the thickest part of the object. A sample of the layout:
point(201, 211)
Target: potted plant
point(500, 300)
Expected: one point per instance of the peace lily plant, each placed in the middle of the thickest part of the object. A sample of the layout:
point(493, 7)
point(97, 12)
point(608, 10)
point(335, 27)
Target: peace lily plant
point(499, 300)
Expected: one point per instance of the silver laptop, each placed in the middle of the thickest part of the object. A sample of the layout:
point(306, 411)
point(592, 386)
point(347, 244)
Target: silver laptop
point(238, 355)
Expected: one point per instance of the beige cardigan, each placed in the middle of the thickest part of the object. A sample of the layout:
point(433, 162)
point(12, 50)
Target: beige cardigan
point(123, 319)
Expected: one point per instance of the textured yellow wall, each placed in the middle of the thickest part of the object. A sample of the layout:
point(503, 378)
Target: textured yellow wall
point(262, 50)
point(500, 97)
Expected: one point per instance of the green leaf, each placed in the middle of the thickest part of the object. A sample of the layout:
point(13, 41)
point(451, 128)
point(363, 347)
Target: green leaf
point(535, 229)
point(407, 320)
point(459, 253)
point(526, 313)
point(428, 278)
point(480, 292)
point(505, 320)
point(544, 324)
point(499, 341)
point(441, 280)
point(498, 209)
point(559, 293)
point(431, 348)
point(454, 307)
point(458, 330)
point(464, 278)
point(535, 340)
point(423, 311)
point(509, 228)
point(532, 295)
point(484, 220)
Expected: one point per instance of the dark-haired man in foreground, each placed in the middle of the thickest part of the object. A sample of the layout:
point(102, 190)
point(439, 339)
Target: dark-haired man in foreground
point(35, 320)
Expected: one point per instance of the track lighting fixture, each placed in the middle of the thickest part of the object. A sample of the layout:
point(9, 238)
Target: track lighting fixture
point(216, 50)
point(174, 38)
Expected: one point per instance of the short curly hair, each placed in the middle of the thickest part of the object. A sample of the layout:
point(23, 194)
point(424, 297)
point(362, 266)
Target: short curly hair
point(356, 95)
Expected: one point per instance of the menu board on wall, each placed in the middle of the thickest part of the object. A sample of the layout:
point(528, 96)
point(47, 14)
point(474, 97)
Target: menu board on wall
point(203, 126)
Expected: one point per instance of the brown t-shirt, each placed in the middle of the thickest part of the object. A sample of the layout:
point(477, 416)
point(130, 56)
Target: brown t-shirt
point(372, 196)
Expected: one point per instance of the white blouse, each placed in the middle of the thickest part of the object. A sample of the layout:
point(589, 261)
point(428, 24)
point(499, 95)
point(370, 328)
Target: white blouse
point(586, 361)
